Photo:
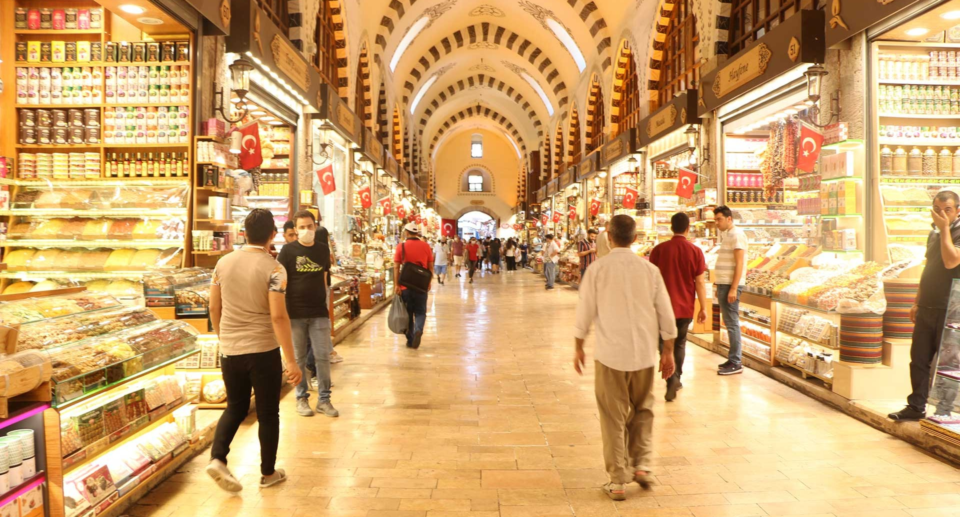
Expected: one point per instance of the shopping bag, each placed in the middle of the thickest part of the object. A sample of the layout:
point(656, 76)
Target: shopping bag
point(398, 319)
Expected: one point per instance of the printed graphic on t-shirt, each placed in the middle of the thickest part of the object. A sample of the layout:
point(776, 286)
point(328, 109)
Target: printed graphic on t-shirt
point(278, 280)
point(305, 265)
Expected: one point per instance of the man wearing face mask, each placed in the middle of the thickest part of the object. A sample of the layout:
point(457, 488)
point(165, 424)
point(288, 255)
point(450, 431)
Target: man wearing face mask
point(307, 262)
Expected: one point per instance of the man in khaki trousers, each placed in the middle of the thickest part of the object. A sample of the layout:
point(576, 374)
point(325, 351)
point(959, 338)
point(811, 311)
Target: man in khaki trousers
point(627, 299)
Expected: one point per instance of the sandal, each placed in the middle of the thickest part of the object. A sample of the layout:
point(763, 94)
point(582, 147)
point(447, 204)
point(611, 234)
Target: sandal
point(279, 476)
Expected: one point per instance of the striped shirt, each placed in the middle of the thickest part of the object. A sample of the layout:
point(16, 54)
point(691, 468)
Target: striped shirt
point(730, 240)
point(586, 260)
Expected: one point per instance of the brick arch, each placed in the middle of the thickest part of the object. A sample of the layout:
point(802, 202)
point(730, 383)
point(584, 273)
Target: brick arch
point(495, 35)
point(343, 68)
point(481, 80)
point(484, 170)
point(482, 112)
point(382, 127)
point(595, 109)
point(586, 10)
point(364, 86)
point(575, 137)
point(477, 208)
point(624, 64)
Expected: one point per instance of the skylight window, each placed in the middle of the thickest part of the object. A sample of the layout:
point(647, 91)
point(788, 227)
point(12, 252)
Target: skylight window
point(536, 87)
point(408, 39)
point(561, 33)
point(423, 91)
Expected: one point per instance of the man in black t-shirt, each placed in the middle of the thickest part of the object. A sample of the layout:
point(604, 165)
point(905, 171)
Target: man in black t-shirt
point(929, 311)
point(307, 262)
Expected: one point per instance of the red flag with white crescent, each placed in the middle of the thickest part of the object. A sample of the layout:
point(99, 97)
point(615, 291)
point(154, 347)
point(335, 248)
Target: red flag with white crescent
point(251, 155)
point(449, 228)
point(595, 205)
point(544, 219)
point(401, 212)
point(385, 205)
point(365, 200)
point(327, 182)
point(685, 181)
point(811, 142)
point(572, 213)
point(517, 227)
point(417, 219)
point(556, 216)
point(629, 198)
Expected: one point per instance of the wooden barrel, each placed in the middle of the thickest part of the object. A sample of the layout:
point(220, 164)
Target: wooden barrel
point(900, 297)
point(861, 338)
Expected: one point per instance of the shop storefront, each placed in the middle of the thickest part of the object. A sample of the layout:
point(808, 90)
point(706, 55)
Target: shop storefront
point(568, 203)
point(616, 157)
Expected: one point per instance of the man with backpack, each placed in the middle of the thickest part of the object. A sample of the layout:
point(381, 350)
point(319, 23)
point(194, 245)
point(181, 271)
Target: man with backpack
point(413, 250)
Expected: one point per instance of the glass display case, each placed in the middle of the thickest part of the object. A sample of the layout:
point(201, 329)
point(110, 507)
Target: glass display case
point(187, 290)
point(946, 382)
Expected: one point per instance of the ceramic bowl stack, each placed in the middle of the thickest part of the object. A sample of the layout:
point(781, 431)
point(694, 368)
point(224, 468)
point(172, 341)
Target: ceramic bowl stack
point(15, 459)
point(28, 447)
point(4, 468)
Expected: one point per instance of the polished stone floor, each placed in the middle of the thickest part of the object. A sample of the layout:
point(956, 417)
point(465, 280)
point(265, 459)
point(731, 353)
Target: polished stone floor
point(488, 419)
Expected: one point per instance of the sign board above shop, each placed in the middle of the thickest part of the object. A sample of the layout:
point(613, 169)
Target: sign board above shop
point(588, 167)
point(541, 194)
point(337, 114)
point(391, 166)
point(372, 148)
point(618, 148)
point(552, 187)
point(679, 112)
point(567, 179)
point(251, 30)
point(797, 40)
point(845, 18)
point(216, 15)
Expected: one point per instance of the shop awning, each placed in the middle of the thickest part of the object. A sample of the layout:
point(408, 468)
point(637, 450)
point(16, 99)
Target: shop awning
point(336, 115)
point(391, 166)
point(371, 148)
point(254, 35)
point(679, 112)
point(216, 16)
point(589, 168)
point(850, 17)
point(798, 40)
point(617, 149)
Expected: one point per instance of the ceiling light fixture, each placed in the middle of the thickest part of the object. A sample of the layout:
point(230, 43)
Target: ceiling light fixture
point(147, 20)
point(951, 15)
point(132, 9)
point(919, 31)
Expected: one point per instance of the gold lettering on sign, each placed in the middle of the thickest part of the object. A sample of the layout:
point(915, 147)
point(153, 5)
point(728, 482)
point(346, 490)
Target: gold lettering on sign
point(744, 69)
point(836, 20)
point(793, 49)
point(288, 60)
point(661, 121)
point(586, 167)
point(346, 118)
point(376, 148)
point(225, 13)
point(256, 30)
point(612, 150)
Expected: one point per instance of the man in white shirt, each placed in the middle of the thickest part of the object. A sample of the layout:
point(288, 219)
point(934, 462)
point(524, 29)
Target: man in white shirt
point(551, 256)
point(440, 250)
point(730, 271)
point(627, 298)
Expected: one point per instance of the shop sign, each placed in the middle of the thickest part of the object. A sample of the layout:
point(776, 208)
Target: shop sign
point(335, 112)
point(849, 17)
point(541, 194)
point(289, 60)
point(552, 187)
point(619, 148)
point(404, 179)
point(680, 111)
point(372, 148)
point(252, 31)
point(799, 39)
point(588, 167)
point(391, 166)
point(567, 178)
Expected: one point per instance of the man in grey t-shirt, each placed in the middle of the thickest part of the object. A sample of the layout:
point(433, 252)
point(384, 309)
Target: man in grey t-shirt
point(249, 314)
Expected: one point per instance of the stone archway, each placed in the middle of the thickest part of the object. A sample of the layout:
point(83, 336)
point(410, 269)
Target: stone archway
point(477, 208)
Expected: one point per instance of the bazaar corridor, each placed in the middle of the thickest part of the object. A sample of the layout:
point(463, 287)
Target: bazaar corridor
point(489, 419)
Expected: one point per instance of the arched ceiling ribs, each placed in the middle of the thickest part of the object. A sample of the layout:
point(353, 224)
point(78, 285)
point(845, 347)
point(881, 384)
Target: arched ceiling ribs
point(586, 10)
point(494, 35)
point(588, 13)
point(471, 125)
point(480, 81)
point(495, 101)
point(482, 112)
point(656, 51)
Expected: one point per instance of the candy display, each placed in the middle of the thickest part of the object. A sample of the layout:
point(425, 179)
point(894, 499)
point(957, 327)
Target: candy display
point(43, 335)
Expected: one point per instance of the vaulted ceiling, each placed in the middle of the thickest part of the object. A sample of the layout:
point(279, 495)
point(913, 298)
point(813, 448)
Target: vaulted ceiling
point(513, 66)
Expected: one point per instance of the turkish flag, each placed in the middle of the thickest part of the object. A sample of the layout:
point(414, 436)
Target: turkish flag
point(556, 216)
point(417, 219)
point(544, 219)
point(572, 213)
point(630, 198)
point(517, 227)
point(811, 142)
point(401, 212)
point(385, 204)
point(685, 182)
point(250, 152)
point(365, 199)
point(449, 228)
point(327, 182)
point(595, 205)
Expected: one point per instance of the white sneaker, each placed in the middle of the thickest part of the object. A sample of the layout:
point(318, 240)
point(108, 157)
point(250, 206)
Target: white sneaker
point(303, 407)
point(313, 385)
point(218, 470)
point(326, 408)
point(335, 357)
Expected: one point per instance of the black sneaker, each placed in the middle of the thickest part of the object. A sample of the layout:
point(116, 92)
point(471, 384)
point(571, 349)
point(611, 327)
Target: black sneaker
point(672, 386)
point(907, 414)
point(416, 340)
point(731, 369)
point(724, 365)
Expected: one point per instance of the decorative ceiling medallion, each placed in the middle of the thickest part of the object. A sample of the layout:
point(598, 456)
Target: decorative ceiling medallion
point(541, 14)
point(482, 68)
point(514, 68)
point(836, 20)
point(487, 10)
point(483, 45)
point(793, 49)
point(436, 11)
point(225, 12)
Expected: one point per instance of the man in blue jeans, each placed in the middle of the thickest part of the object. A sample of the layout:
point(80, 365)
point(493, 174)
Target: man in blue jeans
point(414, 250)
point(307, 261)
point(551, 255)
point(730, 272)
